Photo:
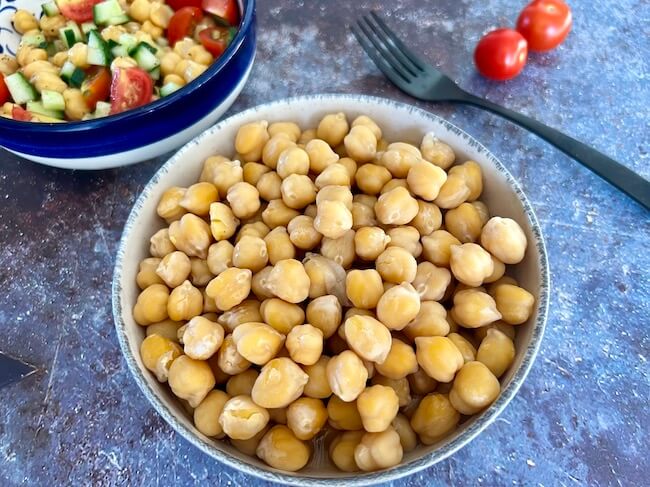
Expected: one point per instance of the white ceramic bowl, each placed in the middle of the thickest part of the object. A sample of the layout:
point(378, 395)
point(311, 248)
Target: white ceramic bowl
point(399, 122)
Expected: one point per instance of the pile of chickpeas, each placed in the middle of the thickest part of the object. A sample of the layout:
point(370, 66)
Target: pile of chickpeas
point(333, 284)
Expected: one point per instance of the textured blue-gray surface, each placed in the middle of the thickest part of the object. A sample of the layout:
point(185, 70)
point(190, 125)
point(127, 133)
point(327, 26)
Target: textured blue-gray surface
point(582, 416)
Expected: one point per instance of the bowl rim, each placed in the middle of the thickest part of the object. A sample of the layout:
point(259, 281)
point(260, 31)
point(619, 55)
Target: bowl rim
point(359, 478)
point(196, 84)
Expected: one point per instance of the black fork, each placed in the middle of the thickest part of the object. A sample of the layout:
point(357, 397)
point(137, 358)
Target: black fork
point(411, 74)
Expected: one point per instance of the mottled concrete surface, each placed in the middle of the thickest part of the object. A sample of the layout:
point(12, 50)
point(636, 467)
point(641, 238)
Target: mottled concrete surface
point(581, 418)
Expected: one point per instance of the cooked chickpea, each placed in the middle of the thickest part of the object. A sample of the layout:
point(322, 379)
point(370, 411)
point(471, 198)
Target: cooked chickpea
point(370, 242)
point(407, 436)
point(222, 172)
point(434, 418)
point(400, 361)
point(191, 235)
point(320, 154)
point(282, 316)
point(269, 186)
point(378, 450)
point(396, 207)
point(474, 308)
point(471, 172)
point(370, 178)
point(378, 405)
point(305, 344)
point(292, 160)
point(202, 338)
point(470, 264)
point(324, 313)
point(332, 128)
point(504, 238)
point(250, 253)
point(398, 306)
point(229, 359)
point(158, 353)
point(439, 357)
point(474, 389)
point(147, 273)
point(343, 415)
point(399, 158)
point(499, 268)
point(497, 352)
point(24, 21)
point(249, 446)
point(426, 179)
point(166, 328)
point(464, 223)
point(289, 281)
point(396, 265)
point(506, 329)
point(280, 382)
point(259, 284)
point(333, 175)
point(257, 342)
point(361, 143)
point(185, 302)
point(174, 268)
point(407, 238)
point(274, 147)
point(277, 214)
point(437, 152)
point(206, 414)
point(302, 233)
point(198, 198)
point(364, 288)
point(241, 418)
point(466, 348)
point(160, 244)
point(220, 256)
point(436, 247)
point(307, 136)
point(253, 171)
point(242, 384)
point(340, 250)
point(298, 191)
point(454, 192)
point(190, 379)
point(333, 219)
point(347, 375)
point(363, 216)
point(151, 305)
point(392, 184)
point(428, 218)
point(341, 450)
point(244, 199)
point(368, 337)
point(256, 229)
point(250, 140)
point(431, 282)
point(281, 449)
point(169, 207)
point(317, 386)
point(200, 272)
point(430, 321)
point(514, 303)
point(421, 383)
point(325, 276)
point(306, 417)
point(247, 311)
point(290, 129)
point(335, 193)
point(230, 287)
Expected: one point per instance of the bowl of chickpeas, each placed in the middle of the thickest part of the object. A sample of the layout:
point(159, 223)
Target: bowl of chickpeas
point(106, 83)
point(331, 289)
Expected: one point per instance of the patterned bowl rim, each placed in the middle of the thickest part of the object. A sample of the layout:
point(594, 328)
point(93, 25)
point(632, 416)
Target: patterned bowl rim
point(196, 84)
point(358, 478)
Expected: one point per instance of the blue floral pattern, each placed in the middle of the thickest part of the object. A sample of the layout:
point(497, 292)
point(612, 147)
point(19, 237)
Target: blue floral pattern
point(9, 38)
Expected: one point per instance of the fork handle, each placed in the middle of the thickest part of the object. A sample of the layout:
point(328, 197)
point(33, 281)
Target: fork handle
point(607, 168)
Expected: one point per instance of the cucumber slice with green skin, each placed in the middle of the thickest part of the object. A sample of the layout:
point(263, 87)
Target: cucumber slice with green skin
point(155, 74)
point(118, 20)
point(37, 40)
point(70, 34)
point(86, 27)
point(37, 107)
point(103, 109)
point(20, 89)
point(104, 11)
point(72, 74)
point(50, 9)
point(145, 56)
point(119, 51)
point(52, 100)
point(98, 52)
point(169, 88)
point(129, 41)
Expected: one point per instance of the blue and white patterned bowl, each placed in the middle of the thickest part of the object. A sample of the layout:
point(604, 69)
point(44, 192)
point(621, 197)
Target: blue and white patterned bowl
point(139, 134)
point(398, 122)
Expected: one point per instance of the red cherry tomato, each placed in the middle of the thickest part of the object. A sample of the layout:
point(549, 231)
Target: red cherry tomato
point(544, 24)
point(77, 10)
point(97, 86)
point(216, 39)
point(4, 91)
point(19, 113)
point(130, 88)
point(182, 24)
point(501, 54)
point(179, 4)
point(226, 9)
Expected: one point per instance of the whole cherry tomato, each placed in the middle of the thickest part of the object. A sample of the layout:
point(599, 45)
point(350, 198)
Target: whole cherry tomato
point(182, 24)
point(501, 54)
point(544, 24)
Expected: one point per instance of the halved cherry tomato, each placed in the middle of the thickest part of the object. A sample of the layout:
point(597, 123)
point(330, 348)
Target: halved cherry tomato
point(97, 86)
point(182, 24)
point(130, 88)
point(544, 24)
point(19, 113)
point(179, 4)
point(226, 9)
point(4, 91)
point(216, 39)
point(501, 54)
point(77, 10)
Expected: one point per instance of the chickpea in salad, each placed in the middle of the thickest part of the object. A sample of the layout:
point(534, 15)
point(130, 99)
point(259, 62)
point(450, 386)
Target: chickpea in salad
point(86, 59)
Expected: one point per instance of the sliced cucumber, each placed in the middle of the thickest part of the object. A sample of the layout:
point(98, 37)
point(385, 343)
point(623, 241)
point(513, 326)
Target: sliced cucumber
point(87, 27)
point(70, 34)
point(20, 89)
point(103, 109)
point(118, 20)
point(155, 74)
point(119, 51)
point(169, 88)
point(50, 9)
point(72, 74)
point(98, 52)
point(104, 11)
point(144, 55)
point(37, 40)
point(37, 107)
point(52, 100)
